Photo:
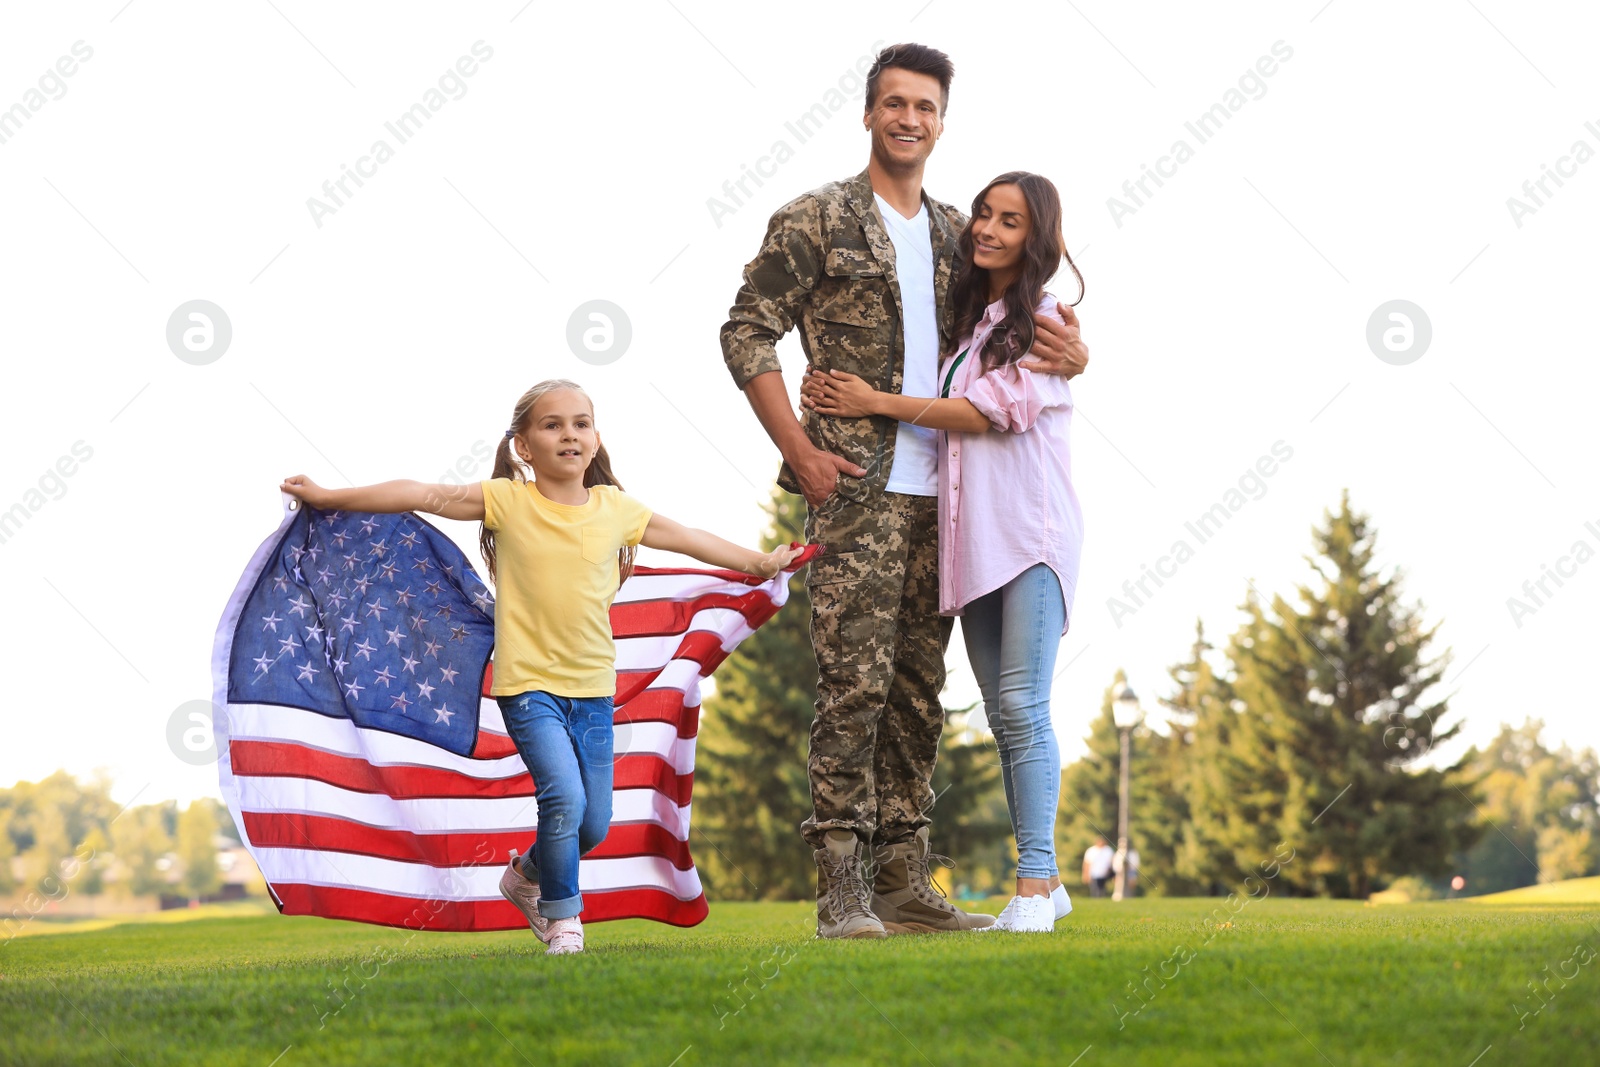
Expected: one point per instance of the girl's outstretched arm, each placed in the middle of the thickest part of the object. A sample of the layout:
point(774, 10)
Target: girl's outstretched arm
point(390, 498)
point(849, 396)
point(670, 536)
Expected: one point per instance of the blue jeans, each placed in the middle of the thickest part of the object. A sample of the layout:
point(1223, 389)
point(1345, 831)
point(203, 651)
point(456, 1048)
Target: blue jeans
point(1012, 635)
point(567, 744)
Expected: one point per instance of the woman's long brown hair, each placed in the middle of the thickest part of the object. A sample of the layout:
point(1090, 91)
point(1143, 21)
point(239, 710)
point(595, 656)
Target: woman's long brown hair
point(507, 465)
point(1042, 254)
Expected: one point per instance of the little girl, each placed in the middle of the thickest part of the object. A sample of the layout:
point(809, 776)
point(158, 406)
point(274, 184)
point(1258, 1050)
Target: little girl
point(558, 547)
point(1010, 529)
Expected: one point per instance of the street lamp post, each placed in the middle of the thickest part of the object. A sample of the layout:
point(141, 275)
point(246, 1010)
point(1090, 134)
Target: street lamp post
point(1126, 713)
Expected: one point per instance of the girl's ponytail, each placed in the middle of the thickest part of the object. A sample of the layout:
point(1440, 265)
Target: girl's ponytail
point(504, 467)
point(599, 473)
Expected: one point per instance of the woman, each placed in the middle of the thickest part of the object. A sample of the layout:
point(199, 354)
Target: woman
point(1010, 530)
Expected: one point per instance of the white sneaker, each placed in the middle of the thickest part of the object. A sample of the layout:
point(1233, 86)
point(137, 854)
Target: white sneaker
point(566, 937)
point(1027, 915)
point(1061, 906)
point(515, 887)
point(1063, 903)
point(1003, 920)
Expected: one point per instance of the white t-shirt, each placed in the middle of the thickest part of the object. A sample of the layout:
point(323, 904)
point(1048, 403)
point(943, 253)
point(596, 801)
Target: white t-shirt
point(1099, 860)
point(915, 470)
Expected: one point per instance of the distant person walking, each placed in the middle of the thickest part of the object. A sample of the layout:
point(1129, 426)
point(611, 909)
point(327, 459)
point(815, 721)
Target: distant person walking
point(1097, 866)
point(1130, 877)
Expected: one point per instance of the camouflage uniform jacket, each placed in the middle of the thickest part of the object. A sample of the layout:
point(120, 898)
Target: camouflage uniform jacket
point(827, 264)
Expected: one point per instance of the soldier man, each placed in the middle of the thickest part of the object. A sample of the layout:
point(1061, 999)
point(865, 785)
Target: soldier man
point(863, 267)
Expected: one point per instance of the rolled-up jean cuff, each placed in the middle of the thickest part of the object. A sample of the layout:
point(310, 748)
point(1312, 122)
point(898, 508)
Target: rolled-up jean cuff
point(561, 909)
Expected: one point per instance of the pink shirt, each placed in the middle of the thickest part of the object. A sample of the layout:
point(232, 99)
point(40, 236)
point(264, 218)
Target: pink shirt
point(1006, 499)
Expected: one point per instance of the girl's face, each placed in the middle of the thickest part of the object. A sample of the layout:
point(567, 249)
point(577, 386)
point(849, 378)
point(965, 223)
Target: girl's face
point(1000, 229)
point(560, 438)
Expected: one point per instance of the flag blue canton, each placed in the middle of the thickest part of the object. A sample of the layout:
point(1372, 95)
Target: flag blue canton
point(378, 619)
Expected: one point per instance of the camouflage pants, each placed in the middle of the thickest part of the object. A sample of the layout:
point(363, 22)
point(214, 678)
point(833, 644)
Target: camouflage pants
point(880, 644)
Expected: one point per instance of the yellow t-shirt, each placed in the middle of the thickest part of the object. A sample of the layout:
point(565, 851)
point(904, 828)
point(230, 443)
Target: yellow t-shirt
point(557, 567)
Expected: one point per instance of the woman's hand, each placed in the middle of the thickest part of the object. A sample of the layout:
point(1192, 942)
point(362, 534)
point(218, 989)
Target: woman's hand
point(308, 492)
point(773, 563)
point(838, 393)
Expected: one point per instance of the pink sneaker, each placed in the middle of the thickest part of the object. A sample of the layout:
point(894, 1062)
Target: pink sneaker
point(566, 937)
point(515, 887)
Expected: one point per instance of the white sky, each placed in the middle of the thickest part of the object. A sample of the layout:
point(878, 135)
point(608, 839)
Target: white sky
point(1229, 312)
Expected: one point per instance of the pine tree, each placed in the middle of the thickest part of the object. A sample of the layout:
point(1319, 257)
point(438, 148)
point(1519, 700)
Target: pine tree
point(1332, 712)
point(751, 787)
point(1198, 765)
point(971, 824)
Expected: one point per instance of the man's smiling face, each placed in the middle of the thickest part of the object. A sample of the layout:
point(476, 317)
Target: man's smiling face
point(904, 119)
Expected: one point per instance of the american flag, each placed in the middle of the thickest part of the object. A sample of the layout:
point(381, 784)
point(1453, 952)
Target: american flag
point(370, 772)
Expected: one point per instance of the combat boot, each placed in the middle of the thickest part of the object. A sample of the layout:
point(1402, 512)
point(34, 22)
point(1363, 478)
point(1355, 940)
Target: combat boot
point(843, 897)
point(905, 898)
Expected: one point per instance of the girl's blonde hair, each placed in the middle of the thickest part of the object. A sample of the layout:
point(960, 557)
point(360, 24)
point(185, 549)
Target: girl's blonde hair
point(508, 465)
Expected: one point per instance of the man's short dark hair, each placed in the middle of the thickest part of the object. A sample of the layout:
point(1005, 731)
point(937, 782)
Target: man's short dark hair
point(917, 58)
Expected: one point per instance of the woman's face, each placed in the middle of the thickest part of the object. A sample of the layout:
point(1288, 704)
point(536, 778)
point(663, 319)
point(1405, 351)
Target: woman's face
point(1000, 229)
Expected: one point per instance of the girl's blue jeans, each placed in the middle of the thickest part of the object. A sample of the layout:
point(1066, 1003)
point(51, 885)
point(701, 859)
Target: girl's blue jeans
point(567, 744)
point(1012, 635)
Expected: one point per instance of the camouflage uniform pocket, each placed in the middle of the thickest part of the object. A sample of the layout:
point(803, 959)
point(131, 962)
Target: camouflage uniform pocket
point(852, 331)
point(844, 615)
point(846, 261)
point(852, 327)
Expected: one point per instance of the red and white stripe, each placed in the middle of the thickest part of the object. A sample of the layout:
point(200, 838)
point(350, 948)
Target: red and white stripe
point(354, 823)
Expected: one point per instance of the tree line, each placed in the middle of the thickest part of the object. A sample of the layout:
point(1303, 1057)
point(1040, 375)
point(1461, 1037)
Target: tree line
point(61, 836)
point(1315, 726)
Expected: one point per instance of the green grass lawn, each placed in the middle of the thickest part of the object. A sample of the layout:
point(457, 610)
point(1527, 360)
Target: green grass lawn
point(1289, 982)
